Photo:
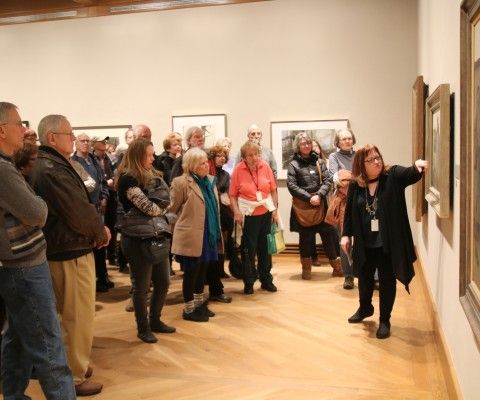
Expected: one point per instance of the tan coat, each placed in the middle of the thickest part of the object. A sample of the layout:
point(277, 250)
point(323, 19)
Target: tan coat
point(186, 200)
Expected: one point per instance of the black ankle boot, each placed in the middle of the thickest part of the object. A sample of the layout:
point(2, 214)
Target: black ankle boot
point(147, 336)
point(156, 325)
point(360, 315)
point(383, 331)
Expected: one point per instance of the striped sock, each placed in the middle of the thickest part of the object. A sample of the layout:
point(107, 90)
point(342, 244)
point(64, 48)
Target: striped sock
point(198, 299)
point(189, 307)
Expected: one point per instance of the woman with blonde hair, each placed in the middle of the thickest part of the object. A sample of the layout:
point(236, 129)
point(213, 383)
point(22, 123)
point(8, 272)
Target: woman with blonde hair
point(135, 178)
point(197, 238)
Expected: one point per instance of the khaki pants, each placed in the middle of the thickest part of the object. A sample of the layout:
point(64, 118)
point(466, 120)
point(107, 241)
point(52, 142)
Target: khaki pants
point(74, 287)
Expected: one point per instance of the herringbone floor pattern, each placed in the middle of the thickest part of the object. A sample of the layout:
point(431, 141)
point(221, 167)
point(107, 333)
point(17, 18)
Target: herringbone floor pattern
point(293, 344)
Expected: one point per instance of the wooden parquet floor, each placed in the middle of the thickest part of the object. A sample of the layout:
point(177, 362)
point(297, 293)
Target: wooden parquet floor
point(293, 344)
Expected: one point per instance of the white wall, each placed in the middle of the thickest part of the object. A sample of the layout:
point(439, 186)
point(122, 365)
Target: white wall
point(438, 240)
point(284, 60)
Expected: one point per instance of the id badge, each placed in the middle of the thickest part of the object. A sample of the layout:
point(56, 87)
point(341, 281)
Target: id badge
point(259, 196)
point(374, 225)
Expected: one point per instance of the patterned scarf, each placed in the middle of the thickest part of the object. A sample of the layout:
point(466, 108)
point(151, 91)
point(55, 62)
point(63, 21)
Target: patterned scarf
point(211, 208)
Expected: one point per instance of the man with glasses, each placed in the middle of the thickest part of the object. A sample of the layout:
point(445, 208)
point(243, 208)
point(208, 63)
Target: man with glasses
point(33, 338)
point(72, 230)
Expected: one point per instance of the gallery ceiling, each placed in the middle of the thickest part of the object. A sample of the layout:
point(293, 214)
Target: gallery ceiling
point(24, 11)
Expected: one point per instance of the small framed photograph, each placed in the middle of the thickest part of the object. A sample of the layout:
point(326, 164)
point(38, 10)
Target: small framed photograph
point(213, 125)
point(283, 133)
point(437, 182)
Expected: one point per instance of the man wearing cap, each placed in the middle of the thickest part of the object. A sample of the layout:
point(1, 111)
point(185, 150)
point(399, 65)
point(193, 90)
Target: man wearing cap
point(98, 198)
point(72, 230)
point(33, 337)
point(109, 206)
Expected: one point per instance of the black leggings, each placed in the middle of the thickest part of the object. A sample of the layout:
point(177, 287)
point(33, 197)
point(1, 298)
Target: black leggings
point(376, 258)
point(193, 280)
point(329, 237)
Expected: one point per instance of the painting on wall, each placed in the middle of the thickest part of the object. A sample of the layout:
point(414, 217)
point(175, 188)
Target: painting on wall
point(214, 126)
point(419, 96)
point(469, 175)
point(283, 134)
point(115, 133)
point(437, 181)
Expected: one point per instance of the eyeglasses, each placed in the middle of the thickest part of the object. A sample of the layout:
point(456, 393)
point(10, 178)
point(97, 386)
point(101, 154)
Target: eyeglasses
point(372, 160)
point(19, 123)
point(71, 134)
point(345, 139)
point(84, 140)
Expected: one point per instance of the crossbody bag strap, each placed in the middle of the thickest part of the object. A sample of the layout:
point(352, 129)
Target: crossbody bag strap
point(319, 172)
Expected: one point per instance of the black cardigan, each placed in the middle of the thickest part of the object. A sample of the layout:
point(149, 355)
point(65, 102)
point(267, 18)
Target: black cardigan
point(393, 220)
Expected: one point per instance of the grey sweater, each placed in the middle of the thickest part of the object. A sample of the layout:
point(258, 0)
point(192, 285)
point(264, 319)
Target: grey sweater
point(341, 159)
point(22, 216)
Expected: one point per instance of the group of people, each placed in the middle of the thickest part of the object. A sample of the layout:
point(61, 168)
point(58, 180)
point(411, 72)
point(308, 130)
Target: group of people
point(54, 231)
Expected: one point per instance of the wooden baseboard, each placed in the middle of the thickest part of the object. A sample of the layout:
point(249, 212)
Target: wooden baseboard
point(448, 369)
point(292, 248)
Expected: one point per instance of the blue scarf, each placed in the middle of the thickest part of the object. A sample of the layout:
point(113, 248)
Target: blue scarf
point(211, 208)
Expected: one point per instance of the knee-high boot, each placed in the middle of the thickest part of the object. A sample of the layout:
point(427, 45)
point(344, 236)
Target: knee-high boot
point(306, 267)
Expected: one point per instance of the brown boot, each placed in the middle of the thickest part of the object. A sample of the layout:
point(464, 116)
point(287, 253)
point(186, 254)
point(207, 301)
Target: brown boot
point(306, 267)
point(88, 388)
point(337, 267)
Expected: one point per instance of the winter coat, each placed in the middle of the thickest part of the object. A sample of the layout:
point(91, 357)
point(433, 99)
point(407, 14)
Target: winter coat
point(303, 181)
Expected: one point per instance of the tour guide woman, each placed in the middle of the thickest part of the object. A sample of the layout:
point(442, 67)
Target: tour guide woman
point(253, 194)
point(376, 217)
point(197, 239)
point(135, 176)
point(306, 182)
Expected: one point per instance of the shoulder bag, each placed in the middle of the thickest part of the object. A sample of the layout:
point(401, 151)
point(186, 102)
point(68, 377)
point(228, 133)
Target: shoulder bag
point(306, 214)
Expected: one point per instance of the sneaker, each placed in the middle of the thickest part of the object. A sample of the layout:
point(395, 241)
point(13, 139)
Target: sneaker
point(360, 315)
point(269, 287)
point(88, 388)
point(383, 331)
point(221, 298)
point(196, 316)
point(348, 283)
point(147, 336)
point(159, 326)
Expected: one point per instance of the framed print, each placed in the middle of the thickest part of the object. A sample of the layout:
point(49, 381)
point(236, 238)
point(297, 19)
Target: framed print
point(437, 182)
point(213, 125)
point(116, 133)
point(419, 95)
point(283, 134)
point(469, 163)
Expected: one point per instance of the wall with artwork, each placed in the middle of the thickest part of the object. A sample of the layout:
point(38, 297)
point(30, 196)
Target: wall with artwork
point(440, 237)
point(274, 61)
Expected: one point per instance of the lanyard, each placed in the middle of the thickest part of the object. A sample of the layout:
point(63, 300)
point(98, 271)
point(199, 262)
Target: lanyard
point(253, 180)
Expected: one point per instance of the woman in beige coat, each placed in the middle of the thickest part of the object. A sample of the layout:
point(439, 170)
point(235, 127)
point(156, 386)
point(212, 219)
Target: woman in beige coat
point(197, 238)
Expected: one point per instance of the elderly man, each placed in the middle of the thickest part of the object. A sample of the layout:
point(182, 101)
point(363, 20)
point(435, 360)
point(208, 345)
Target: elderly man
point(30, 136)
point(72, 230)
point(33, 337)
point(255, 134)
point(194, 137)
point(99, 198)
point(142, 131)
point(99, 148)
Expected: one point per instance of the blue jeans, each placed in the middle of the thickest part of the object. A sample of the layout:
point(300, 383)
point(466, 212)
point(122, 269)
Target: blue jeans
point(33, 338)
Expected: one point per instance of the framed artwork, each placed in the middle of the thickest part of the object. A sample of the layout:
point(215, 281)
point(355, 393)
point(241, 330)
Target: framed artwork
point(469, 163)
point(116, 133)
point(437, 182)
point(213, 125)
point(283, 134)
point(419, 96)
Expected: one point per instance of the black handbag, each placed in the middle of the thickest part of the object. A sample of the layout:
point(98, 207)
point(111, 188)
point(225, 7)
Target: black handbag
point(155, 250)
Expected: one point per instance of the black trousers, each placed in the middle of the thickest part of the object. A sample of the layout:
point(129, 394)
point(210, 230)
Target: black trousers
point(110, 221)
point(330, 240)
point(141, 274)
point(214, 276)
point(100, 266)
point(376, 258)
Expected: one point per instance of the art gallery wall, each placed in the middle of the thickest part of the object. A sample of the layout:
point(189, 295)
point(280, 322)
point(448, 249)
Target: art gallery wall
point(438, 240)
point(283, 60)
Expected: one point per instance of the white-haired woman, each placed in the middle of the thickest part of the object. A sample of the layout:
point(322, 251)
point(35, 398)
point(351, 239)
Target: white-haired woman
point(197, 237)
point(194, 138)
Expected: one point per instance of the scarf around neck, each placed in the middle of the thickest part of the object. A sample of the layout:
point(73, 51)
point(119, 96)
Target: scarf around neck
point(211, 208)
